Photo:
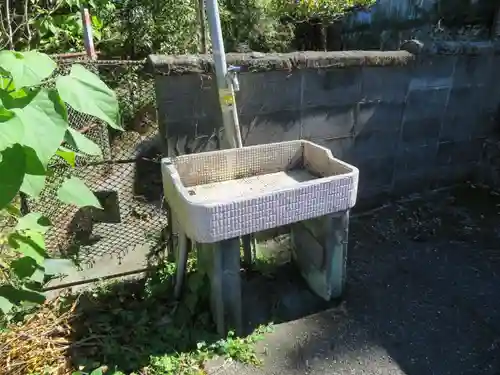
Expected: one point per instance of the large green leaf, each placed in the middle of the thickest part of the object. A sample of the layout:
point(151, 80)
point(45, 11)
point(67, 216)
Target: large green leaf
point(68, 155)
point(82, 143)
point(11, 131)
point(27, 68)
point(11, 296)
point(27, 268)
point(85, 92)
point(33, 185)
point(6, 83)
point(5, 304)
point(34, 179)
point(44, 127)
point(74, 191)
point(12, 171)
point(18, 98)
point(33, 221)
point(30, 244)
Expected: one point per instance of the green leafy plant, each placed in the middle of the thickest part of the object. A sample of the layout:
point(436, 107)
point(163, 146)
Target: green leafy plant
point(34, 130)
point(98, 371)
point(326, 10)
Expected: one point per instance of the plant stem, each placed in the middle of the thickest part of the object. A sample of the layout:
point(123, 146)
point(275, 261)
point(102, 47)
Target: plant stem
point(10, 37)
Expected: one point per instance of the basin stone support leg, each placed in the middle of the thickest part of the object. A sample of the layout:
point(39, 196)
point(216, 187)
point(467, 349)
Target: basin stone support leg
point(320, 251)
point(221, 262)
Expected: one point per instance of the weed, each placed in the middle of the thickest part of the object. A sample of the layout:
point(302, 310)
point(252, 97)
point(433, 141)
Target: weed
point(136, 328)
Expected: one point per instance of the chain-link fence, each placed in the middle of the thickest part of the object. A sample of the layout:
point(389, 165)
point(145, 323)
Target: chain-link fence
point(126, 179)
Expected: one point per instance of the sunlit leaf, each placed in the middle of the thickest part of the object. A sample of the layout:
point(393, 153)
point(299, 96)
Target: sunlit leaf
point(18, 98)
point(11, 132)
point(30, 244)
point(6, 83)
point(33, 221)
point(44, 127)
point(82, 143)
point(27, 68)
point(5, 305)
point(11, 296)
point(27, 268)
point(85, 92)
point(67, 155)
point(74, 191)
point(34, 179)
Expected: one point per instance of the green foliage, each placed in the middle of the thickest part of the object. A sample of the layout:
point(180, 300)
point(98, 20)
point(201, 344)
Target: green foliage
point(161, 335)
point(136, 28)
point(254, 24)
point(33, 128)
point(327, 10)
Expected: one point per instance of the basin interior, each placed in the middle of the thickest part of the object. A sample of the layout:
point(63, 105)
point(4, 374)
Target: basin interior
point(249, 186)
point(251, 171)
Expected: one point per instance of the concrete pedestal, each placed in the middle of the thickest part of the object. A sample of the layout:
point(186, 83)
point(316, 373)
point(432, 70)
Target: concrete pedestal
point(221, 262)
point(320, 250)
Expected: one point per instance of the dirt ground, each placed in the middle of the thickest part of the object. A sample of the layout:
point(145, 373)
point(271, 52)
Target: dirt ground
point(423, 296)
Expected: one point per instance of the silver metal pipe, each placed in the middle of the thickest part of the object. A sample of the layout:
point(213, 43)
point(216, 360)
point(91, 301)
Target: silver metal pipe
point(224, 80)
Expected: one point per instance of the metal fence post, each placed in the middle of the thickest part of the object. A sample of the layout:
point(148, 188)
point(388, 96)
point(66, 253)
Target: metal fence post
point(88, 39)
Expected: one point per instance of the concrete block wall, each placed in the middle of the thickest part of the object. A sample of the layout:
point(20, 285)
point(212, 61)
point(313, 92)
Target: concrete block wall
point(409, 123)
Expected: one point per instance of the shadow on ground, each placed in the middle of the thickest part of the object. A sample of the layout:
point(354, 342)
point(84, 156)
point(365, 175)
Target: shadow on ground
point(423, 298)
point(129, 325)
point(125, 325)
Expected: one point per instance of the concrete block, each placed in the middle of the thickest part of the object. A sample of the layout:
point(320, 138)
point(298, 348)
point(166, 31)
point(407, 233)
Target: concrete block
point(424, 104)
point(221, 262)
point(493, 100)
point(331, 87)
point(473, 70)
point(370, 197)
point(328, 122)
point(341, 148)
point(415, 160)
point(411, 183)
point(460, 152)
point(271, 127)
point(376, 172)
point(387, 84)
point(423, 116)
point(320, 250)
point(487, 123)
point(385, 117)
point(191, 128)
point(268, 92)
point(184, 97)
point(435, 72)
point(374, 144)
point(452, 174)
point(421, 132)
point(463, 114)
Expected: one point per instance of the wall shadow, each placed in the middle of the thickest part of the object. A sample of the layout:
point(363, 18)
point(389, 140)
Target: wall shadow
point(421, 293)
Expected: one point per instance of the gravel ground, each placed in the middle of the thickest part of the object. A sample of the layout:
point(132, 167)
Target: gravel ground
point(423, 296)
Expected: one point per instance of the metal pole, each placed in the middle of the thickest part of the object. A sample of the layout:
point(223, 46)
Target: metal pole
point(88, 39)
point(226, 80)
point(227, 83)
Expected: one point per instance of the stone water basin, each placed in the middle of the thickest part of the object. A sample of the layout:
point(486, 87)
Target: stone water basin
point(224, 194)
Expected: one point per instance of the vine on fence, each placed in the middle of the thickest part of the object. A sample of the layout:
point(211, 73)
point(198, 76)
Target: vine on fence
point(34, 130)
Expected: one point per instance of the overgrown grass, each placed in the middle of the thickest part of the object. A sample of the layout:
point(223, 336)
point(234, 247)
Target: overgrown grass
point(142, 330)
point(130, 328)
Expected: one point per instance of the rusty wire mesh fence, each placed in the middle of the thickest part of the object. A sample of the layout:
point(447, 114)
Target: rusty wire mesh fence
point(126, 179)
